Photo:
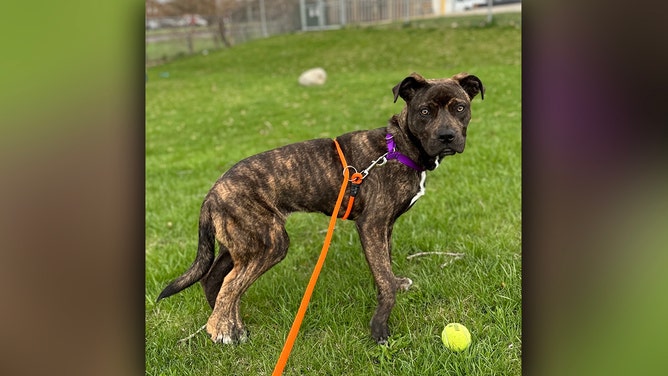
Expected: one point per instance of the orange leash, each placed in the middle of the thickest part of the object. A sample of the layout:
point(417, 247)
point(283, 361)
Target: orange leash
point(294, 330)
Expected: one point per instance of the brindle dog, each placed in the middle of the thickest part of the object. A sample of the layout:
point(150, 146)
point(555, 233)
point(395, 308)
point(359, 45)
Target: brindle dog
point(246, 209)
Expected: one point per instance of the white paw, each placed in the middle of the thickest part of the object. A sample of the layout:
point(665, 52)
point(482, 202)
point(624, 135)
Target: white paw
point(220, 338)
point(404, 284)
point(227, 340)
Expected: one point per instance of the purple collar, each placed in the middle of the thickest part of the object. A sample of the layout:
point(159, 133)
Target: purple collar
point(392, 153)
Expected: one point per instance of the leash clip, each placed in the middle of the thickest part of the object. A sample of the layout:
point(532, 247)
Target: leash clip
point(378, 162)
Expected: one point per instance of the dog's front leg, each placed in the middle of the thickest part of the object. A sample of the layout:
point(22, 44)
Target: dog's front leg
point(375, 237)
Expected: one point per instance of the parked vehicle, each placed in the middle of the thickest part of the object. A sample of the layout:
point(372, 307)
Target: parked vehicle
point(181, 21)
point(464, 5)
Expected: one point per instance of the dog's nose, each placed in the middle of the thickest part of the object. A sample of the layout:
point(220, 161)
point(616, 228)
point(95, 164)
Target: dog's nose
point(446, 136)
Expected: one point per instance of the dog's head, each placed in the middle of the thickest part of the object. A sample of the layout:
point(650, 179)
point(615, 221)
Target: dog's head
point(438, 111)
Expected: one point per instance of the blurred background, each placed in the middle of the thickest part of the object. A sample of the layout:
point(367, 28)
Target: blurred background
point(177, 28)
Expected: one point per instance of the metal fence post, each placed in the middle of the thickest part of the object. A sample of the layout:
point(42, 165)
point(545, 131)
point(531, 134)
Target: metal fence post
point(489, 11)
point(263, 20)
point(321, 13)
point(408, 10)
point(342, 12)
point(302, 13)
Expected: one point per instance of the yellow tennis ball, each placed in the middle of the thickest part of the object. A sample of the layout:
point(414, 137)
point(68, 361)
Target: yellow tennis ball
point(456, 337)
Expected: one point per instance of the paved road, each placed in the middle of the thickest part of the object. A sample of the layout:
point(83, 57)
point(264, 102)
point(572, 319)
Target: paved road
point(505, 8)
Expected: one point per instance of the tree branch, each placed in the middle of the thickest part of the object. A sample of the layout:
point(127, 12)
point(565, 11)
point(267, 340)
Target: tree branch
point(456, 255)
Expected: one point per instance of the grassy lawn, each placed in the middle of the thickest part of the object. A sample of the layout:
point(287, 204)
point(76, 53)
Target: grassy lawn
point(204, 113)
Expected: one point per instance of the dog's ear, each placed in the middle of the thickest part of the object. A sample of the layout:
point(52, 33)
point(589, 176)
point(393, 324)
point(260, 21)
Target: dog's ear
point(471, 84)
point(406, 89)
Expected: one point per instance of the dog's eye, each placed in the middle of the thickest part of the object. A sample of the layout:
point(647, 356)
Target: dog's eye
point(424, 111)
point(460, 108)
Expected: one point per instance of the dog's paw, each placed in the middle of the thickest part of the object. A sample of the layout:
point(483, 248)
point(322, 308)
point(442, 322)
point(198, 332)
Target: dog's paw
point(234, 339)
point(403, 284)
point(382, 342)
point(380, 334)
point(379, 331)
point(222, 338)
point(226, 333)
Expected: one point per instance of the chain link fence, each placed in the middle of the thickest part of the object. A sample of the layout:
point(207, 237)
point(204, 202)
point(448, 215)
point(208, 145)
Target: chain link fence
point(173, 31)
point(177, 28)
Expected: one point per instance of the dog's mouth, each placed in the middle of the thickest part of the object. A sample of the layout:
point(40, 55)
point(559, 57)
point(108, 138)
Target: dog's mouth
point(447, 152)
point(441, 150)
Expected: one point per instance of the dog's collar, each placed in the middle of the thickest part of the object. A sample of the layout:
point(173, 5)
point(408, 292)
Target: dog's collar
point(392, 153)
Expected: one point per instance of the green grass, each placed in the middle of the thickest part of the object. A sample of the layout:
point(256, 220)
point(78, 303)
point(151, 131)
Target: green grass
point(214, 110)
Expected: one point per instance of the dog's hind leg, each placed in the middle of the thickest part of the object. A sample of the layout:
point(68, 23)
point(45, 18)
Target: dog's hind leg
point(212, 281)
point(252, 255)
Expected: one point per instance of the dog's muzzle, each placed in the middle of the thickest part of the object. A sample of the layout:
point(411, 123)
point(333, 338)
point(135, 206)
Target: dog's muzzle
point(449, 143)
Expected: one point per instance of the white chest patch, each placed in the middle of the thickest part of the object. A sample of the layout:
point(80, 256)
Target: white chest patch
point(421, 192)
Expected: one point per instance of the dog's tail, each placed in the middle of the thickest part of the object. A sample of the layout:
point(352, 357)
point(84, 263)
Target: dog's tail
point(203, 260)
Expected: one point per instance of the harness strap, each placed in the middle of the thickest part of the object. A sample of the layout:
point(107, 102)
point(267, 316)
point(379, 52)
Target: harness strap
point(342, 157)
point(356, 180)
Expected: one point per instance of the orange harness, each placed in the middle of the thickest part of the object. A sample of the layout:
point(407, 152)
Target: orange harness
point(355, 179)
